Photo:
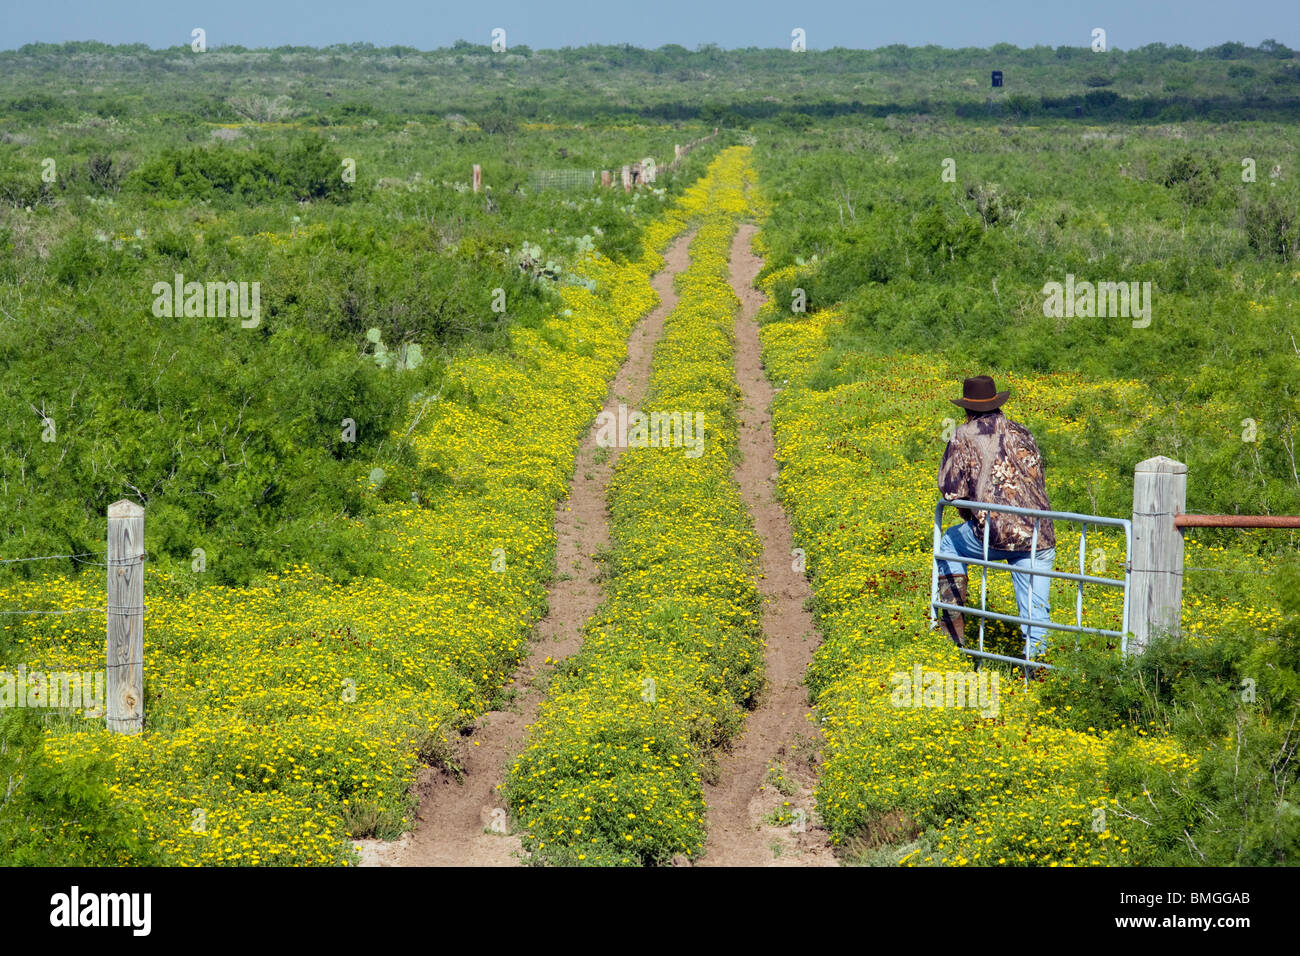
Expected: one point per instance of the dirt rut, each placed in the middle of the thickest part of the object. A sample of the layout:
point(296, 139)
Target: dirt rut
point(460, 824)
point(772, 766)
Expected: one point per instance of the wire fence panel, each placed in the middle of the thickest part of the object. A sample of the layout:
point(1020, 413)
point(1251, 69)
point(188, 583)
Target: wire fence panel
point(562, 179)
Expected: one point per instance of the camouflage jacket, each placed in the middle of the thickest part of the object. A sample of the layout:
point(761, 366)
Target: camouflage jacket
point(991, 458)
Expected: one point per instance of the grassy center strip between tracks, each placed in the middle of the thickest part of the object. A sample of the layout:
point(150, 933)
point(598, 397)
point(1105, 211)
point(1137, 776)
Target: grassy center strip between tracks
point(612, 771)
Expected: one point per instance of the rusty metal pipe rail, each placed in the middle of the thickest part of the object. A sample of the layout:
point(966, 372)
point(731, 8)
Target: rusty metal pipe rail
point(1236, 521)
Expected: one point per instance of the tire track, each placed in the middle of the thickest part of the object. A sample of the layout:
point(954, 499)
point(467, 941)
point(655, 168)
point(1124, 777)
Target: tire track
point(776, 732)
point(458, 822)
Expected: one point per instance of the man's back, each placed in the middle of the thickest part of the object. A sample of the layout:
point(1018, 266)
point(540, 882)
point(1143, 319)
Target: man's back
point(991, 458)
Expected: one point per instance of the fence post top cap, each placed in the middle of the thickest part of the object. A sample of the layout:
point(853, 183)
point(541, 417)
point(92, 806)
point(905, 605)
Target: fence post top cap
point(124, 509)
point(1163, 465)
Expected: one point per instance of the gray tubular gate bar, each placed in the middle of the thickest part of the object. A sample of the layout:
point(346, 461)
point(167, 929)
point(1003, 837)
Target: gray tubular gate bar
point(984, 564)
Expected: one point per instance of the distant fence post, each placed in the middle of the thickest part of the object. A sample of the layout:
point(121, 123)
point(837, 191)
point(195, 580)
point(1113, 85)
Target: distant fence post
point(627, 179)
point(124, 708)
point(604, 178)
point(478, 177)
point(677, 150)
point(1156, 585)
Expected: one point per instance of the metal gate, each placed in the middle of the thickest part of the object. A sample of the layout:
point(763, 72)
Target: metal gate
point(983, 613)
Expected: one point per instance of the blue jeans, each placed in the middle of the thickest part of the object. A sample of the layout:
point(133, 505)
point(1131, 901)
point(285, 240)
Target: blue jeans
point(962, 539)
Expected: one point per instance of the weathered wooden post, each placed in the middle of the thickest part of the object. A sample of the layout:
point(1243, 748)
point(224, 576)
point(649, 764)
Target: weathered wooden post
point(604, 178)
point(627, 179)
point(677, 150)
point(124, 708)
point(648, 169)
point(478, 177)
point(1156, 585)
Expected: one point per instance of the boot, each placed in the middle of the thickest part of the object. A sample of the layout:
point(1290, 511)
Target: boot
point(952, 590)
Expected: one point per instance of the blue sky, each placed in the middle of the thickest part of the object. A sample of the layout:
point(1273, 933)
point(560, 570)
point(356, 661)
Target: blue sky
point(557, 23)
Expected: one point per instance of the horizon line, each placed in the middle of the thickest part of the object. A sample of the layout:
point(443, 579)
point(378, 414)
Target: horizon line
point(462, 45)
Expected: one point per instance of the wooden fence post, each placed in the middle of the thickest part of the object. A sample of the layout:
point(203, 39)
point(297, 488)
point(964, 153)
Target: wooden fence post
point(124, 707)
point(478, 177)
point(627, 179)
point(1156, 585)
point(604, 178)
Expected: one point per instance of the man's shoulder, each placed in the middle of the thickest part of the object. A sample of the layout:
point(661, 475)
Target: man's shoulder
point(1018, 429)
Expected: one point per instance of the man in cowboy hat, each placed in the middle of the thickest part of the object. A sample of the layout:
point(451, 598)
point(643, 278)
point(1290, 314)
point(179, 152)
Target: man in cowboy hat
point(992, 459)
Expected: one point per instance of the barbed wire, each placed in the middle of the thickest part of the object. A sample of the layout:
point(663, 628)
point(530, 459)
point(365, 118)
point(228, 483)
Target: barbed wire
point(1233, 570)
point(55, 557)
point(79, 557)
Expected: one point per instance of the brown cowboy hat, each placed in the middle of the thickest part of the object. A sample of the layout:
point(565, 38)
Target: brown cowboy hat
point(979, 394)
